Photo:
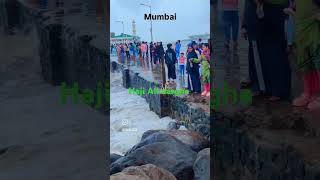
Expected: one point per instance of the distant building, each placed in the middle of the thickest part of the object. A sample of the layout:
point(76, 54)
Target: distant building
point(124, 38)
point(201, 36)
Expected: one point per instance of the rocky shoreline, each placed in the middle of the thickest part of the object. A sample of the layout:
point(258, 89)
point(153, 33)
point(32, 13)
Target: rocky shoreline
point(164, 154)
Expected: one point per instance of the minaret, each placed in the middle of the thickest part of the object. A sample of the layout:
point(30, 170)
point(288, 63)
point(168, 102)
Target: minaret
point(134, 32)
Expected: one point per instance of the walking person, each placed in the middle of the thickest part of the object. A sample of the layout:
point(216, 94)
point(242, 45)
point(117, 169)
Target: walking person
point(231, 22)
point(171, 59)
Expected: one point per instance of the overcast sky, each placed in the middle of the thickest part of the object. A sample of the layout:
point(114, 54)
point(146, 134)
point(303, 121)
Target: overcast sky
point(193, 17)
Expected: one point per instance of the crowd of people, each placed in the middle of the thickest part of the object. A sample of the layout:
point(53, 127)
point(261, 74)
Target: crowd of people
point(274, 29)
point(194, 63)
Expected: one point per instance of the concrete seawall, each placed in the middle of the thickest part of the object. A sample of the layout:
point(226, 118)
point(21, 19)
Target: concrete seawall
point(192, 116)
point(69, 52)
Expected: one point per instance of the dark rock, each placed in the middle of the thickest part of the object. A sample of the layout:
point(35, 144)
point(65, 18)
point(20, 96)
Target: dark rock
point(148, 133)
point(190, 138)
point(163, 151)
point(201, 166)
point(145, 172)
point(114, 157)
point(173, 126)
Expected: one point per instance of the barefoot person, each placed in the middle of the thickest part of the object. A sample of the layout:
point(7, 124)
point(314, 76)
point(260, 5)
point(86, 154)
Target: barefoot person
point(307, 18)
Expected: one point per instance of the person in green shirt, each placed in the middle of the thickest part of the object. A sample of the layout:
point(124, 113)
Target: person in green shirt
point(307, 20)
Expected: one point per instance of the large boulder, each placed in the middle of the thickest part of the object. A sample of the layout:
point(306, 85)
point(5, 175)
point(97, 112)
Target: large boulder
point(191, 138)
point(114, 157)
point(162, 150)
point(201, 166)
point(145, 172)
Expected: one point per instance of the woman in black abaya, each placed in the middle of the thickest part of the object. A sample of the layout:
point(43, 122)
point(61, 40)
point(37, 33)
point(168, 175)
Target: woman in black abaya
point(272, 47)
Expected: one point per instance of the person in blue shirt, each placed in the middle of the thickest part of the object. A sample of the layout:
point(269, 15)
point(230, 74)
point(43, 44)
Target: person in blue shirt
point(178, 47)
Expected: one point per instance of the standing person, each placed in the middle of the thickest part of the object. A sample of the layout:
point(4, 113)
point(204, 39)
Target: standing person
point(151, 51)
point(210, 45)
point(249, 30)
point(289, 24)
point(182, 60)
point(205, 67)
point(307, 18)
point(127, 52)
point(272, 46)
point(111, 48)
point(122, 53)
point(200, 42)
point(132, 53)
point(194, 83)
point(143, 50)
point(136, 50)
point(171, 59)
point(178, 47)
point(154, 52)
point(231, 22)
point(118, 50)
point(161, 53)
point(139, 50)
point(158, 52)
point(147, 50)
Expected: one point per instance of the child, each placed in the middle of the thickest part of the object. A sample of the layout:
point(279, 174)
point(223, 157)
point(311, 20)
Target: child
point(205, 74)
point(182, 60)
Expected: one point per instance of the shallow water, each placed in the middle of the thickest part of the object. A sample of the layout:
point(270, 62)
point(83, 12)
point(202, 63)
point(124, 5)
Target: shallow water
point(130, 117)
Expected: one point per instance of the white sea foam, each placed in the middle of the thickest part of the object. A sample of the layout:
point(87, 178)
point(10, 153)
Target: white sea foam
point(130, 117)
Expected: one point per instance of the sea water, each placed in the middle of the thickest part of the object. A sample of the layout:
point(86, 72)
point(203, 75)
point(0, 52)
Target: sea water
point(130, 117)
